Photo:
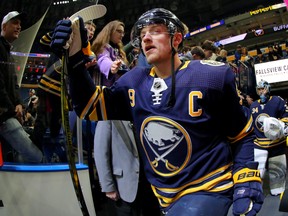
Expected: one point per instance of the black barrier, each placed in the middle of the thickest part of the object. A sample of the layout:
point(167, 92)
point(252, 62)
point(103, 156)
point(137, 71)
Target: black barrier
point(245, 77)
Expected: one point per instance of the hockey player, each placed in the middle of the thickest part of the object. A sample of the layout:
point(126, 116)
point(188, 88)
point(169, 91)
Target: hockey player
point(269, 114)
point(197, 155)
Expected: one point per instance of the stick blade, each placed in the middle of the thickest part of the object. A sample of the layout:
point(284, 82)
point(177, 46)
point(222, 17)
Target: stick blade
point(90, 13)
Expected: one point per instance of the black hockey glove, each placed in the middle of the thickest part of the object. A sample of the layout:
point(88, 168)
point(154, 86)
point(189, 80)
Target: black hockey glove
point(60, 37)
point(248, 193)
point(72, 36)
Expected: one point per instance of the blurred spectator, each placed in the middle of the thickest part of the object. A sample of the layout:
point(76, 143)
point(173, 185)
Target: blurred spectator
point(244, 54)
point(32, 103)
point(197, 53)
point(286, 48)
point(222, 57)
point(185, 53)
point(238, 53)
point(28, 122)
point(246, 58)
point(209, 50)
point(273, 55)
point(91, 28)
point(278, 49)
point(260, 58)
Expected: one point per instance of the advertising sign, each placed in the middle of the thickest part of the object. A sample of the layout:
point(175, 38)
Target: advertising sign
point(272, 72)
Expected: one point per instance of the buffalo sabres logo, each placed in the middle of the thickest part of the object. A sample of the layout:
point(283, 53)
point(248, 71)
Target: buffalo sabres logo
point(260, 120)
point(258, 32)
point(166, 144)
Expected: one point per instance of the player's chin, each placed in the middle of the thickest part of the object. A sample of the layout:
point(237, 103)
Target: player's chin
point(151, 59)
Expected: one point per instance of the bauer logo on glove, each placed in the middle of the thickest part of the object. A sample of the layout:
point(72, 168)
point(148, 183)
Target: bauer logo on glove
point(248, 193)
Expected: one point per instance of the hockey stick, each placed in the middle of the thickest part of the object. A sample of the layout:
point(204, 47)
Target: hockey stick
point(68, 136)
point(90, 12)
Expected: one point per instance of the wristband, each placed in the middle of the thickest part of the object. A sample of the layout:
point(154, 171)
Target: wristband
point(87, 50)
point(246, 175)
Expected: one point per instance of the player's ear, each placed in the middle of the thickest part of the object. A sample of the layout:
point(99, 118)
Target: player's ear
point(177, 39)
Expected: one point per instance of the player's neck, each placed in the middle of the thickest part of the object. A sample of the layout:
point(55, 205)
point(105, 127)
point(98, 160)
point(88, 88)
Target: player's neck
point(163, 69)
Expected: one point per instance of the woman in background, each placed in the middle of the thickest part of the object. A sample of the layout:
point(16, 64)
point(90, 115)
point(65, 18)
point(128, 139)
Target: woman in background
point(108, 48)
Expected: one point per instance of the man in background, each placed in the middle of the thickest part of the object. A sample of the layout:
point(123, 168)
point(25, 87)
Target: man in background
point(11, 110)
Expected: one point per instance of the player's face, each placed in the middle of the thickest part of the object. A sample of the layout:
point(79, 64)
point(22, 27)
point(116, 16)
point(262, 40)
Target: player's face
point(155, 42)
point(261, 91)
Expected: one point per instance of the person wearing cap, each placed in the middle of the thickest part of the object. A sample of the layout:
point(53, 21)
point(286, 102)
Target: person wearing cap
point(11, 26)
point(196, 140)
point(11, 110)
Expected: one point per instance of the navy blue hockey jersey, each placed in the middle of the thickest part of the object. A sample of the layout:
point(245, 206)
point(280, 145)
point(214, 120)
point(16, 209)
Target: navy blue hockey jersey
point(276, 107)
point(189, 147)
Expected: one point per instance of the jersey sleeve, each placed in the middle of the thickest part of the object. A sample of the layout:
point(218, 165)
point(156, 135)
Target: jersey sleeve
point(95, 102)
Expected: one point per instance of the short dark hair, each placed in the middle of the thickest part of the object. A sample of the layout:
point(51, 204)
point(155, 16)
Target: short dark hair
point(197, 50)
point(185, 49)
point(209, 45)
